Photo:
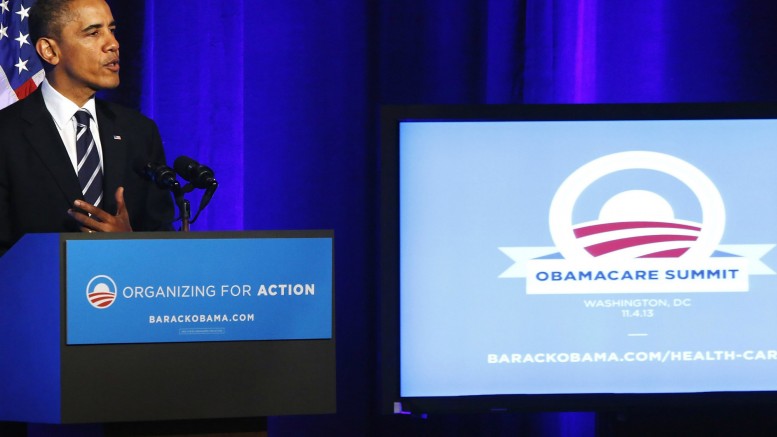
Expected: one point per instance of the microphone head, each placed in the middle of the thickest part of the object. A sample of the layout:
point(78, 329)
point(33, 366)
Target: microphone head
point(199, 175)
point(185, 167)
point(162, 175)
point(143, 168)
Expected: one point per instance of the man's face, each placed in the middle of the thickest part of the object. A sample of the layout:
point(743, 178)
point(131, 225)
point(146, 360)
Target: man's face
point(88, 58)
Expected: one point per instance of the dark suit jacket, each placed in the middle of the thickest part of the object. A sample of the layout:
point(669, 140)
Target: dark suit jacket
point(38, 183)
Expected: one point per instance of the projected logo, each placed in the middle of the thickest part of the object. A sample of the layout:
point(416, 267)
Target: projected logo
point(101, 291)
point(637, 245)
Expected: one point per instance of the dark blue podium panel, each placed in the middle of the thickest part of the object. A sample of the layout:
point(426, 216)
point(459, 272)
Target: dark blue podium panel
point(167, 326)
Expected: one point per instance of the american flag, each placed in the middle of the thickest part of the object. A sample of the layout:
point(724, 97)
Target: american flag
point(21, 71)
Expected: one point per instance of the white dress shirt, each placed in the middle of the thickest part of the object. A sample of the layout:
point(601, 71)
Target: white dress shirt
point(63, 112)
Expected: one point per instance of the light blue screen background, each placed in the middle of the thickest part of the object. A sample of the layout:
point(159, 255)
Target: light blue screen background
point(468, 188)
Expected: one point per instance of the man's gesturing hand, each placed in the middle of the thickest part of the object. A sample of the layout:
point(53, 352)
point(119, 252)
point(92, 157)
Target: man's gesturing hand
point(98, 220)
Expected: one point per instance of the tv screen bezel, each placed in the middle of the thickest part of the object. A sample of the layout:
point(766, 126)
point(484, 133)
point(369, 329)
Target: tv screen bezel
point(389, 342)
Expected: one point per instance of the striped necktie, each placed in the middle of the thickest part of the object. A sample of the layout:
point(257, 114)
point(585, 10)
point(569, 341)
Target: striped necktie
point(90, 174)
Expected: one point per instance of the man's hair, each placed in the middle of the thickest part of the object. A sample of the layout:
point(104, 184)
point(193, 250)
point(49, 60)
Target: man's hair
point(47, 17)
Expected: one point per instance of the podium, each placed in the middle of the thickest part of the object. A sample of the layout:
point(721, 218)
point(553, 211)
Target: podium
point(141, 327)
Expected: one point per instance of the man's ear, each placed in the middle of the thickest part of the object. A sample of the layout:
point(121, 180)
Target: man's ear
point(48, 50)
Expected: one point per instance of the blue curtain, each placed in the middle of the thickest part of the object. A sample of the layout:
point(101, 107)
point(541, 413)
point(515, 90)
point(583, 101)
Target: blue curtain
point(282, 98)
point(192, 86)
point(607, 51)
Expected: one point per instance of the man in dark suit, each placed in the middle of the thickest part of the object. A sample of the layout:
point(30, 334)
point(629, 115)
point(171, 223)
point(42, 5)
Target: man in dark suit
point(39, 169)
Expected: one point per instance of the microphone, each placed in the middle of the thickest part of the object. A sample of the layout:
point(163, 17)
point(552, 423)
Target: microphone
point(199, 175)
point(162, 175)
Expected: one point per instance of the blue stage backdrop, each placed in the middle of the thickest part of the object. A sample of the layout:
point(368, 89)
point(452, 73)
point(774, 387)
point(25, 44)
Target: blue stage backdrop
point(281, 99)
point(193, 87)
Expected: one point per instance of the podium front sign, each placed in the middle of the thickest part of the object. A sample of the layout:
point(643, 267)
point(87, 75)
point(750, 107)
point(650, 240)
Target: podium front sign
point(193, 290)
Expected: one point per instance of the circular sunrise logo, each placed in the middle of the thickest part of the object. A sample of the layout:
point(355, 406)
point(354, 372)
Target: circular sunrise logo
point(637, 223)
point(101, 291)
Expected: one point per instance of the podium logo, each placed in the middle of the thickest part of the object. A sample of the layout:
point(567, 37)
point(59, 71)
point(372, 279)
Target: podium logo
point(101, 291)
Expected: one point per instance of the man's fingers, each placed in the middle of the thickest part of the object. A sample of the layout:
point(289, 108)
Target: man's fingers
point(92, 210)
point(88, 222)
point(122, 215)
point(95, 219)
point(121, 208)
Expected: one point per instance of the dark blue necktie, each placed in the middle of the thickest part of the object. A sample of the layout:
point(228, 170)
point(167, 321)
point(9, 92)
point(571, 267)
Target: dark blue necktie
point(89, 173)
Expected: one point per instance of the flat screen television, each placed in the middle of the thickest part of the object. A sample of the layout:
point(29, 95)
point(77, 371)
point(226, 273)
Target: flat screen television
point(578, 257)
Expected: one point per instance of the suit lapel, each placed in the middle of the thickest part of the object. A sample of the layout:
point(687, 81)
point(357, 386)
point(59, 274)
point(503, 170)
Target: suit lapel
point(114, 155)
point(42, 136)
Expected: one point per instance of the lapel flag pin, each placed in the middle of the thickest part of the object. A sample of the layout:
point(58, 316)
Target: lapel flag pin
point(117, 137)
